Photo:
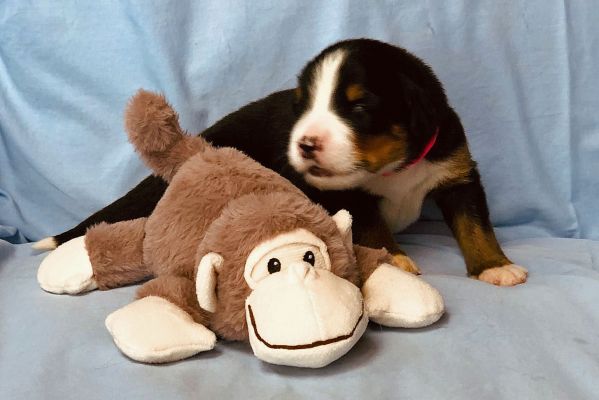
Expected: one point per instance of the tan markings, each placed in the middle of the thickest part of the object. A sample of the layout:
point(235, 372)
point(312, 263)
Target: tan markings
point(404, 262)
point(354, 92)
point(298, 93)
point(479, 246)
point(398, 131)
point(459, 165)
point(379, 150)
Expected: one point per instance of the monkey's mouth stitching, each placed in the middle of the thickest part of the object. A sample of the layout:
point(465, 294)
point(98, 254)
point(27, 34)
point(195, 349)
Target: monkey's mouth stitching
point(302, 346)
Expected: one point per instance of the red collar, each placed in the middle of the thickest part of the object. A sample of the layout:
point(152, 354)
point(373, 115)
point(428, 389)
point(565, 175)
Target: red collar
point(415, 161)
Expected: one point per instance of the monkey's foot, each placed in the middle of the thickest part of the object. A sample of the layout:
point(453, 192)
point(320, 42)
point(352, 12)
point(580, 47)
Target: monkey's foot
point(397, 298)
point(67, 269)
point(154, 330)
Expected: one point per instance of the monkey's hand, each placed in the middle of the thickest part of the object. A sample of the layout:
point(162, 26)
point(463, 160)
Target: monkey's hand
point(154, 330)
point(397, 298)
point(67, 269)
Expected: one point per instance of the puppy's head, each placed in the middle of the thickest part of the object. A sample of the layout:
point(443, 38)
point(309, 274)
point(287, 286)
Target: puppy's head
point(364, 108)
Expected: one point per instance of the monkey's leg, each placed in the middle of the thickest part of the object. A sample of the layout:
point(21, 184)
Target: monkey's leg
point(161, 326)
point(108, 256)
point(394, 297)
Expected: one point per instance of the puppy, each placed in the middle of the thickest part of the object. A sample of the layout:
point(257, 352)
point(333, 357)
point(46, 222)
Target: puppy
point(369, 129)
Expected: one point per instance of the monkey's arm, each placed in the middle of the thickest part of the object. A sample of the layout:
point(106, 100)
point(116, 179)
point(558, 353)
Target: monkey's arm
point(179, 337)
point(369, 259)
point(393, 296)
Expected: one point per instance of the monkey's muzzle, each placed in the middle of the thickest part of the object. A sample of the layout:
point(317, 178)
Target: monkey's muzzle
point(304, 317)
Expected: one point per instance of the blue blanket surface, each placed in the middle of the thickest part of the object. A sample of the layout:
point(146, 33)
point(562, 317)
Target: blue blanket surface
point(523, 77)
point(533, 341)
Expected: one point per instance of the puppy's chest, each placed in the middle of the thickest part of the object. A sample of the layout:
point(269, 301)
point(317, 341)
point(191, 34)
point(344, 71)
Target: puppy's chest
point(403, 192)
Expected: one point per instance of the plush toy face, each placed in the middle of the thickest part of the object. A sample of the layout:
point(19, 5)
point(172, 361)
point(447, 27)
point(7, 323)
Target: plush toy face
point(284, 251)
point(298, 312)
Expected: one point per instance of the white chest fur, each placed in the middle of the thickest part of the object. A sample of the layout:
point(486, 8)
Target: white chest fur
point(403, 192)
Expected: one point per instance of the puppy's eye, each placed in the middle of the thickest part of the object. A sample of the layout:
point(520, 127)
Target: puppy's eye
point(358, 108)
point(274, 265)
point(309, 258)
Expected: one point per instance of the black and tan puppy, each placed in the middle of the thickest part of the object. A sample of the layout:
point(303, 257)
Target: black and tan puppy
point(368, 129)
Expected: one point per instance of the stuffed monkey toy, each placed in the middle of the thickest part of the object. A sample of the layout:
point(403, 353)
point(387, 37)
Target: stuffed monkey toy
point(233, 250)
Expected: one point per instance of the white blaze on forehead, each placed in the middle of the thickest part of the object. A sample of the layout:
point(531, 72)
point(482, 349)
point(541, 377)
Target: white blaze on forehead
point(325, 81)
point(338, 153)
point(320, 120)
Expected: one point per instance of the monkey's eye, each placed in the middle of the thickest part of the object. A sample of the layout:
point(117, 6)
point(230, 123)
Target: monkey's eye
point(309, 258)
point(274, 265)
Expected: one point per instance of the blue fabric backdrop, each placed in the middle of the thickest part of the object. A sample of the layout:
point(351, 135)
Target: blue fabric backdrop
point(522, 74)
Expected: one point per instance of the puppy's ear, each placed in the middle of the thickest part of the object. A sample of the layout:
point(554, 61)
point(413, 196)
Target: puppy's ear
point(422, 111)
point(206, 281)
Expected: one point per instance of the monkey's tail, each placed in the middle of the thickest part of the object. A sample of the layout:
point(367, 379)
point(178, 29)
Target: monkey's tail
point(153, 128)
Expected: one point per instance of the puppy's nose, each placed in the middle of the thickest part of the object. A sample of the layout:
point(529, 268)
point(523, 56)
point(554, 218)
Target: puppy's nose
point(309, 145)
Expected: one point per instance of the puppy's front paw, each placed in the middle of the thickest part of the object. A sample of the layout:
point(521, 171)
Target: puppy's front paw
point(404, 262)
point(508, 275)
point(67, 269)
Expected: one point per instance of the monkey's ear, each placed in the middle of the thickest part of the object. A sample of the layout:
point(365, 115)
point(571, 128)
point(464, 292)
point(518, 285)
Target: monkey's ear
point(206, 280)
point(343, 219)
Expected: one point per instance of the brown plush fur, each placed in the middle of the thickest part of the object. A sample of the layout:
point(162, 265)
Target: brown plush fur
point(116, 253)
point(250, 220)
point(219, 200)
point(179, 291)
point(153, 126)
point(370, 259)
point(196, 197)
